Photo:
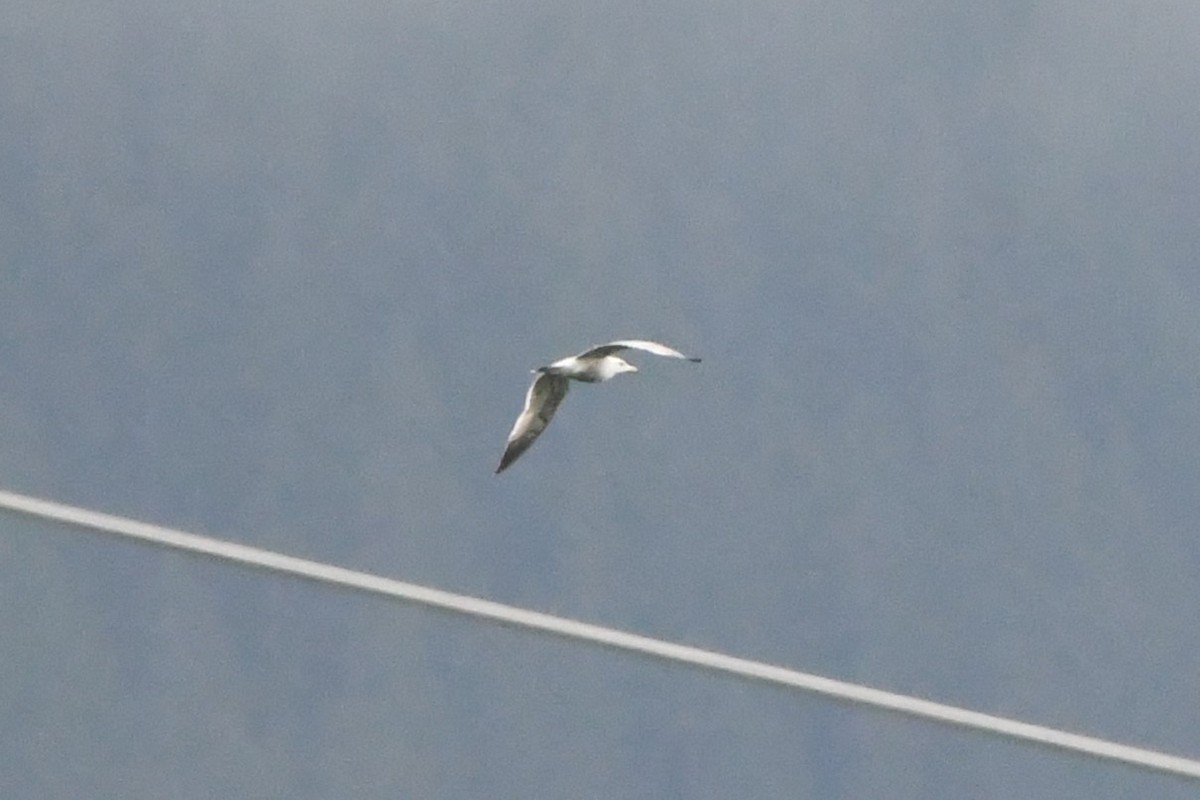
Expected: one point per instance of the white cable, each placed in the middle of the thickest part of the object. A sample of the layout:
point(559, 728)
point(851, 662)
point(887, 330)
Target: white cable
point(572, 629)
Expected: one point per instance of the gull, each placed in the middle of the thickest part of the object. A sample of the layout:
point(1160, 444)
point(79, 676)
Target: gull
point(550, 387)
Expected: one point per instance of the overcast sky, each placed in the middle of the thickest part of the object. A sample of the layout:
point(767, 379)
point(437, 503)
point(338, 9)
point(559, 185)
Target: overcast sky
point(278, 273)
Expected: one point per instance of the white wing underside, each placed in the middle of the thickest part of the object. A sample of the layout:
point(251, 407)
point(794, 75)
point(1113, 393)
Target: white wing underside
point(541, 401)
point(656, 348)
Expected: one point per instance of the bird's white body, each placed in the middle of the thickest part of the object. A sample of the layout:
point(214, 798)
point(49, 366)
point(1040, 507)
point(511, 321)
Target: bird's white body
point(589, 370)
point(550, 387)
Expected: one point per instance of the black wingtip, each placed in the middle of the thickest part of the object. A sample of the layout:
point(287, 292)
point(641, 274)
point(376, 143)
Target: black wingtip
point(694, 360)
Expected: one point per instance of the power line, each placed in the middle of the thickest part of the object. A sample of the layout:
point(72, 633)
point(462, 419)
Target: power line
point(596, 634)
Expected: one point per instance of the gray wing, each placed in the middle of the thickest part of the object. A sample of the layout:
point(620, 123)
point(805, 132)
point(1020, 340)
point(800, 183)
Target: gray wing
point(656, 348)
point(541, 401)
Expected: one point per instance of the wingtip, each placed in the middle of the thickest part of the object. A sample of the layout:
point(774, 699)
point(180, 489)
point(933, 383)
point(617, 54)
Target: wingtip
point(694, 360)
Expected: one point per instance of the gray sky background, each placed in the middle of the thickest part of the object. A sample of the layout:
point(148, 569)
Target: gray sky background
point(278, 273)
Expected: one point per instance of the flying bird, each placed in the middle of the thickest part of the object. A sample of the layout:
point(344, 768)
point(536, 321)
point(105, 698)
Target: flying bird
point(550, 387)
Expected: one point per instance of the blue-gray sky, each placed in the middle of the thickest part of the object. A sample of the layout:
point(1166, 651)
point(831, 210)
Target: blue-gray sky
point(278, 273)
